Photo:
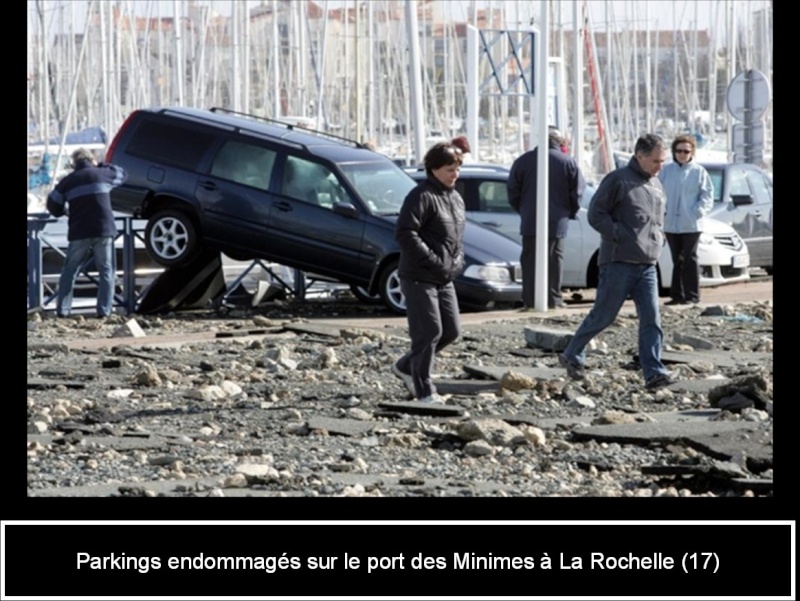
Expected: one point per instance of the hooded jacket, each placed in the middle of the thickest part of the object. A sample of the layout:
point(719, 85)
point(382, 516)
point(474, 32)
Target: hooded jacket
point(430, 231)
point(628, 211)
point(84, 196)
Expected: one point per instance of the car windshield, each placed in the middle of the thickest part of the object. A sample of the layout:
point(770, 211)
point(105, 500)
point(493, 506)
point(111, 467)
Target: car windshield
point(381, 184)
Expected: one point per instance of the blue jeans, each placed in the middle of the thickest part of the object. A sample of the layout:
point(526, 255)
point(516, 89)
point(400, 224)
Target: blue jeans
point(618, 281)
point(102, 251)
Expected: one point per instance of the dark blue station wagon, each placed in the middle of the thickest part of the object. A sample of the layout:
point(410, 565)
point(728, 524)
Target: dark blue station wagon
point(256, 188)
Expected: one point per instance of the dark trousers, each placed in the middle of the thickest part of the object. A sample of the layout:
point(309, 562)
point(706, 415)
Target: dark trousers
point(686, 269)
point(555, 253)
point(433, 323)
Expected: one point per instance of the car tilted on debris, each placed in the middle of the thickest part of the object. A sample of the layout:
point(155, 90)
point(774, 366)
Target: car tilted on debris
point(255, 188)
point(722, 253)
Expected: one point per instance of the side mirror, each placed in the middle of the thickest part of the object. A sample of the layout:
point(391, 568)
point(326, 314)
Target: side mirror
point(741, 199)
point(345, 208)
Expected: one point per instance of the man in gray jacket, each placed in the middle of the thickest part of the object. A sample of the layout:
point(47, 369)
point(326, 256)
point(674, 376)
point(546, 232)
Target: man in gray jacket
point(628, 211)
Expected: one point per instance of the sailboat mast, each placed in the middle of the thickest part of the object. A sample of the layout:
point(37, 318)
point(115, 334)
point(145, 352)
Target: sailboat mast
point(415, 80)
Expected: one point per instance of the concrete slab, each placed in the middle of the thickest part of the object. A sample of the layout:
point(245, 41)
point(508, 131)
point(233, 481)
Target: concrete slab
point(44, 383)
point(719, 358)
point(345, 427)
point(702, 386)
point(123, 443)
point(417, 408)
point(466, 387)
point(755, 447)
point(315, 329)
point(550, 339)
point(720, 439)
point(496, 372)
point(550, 423)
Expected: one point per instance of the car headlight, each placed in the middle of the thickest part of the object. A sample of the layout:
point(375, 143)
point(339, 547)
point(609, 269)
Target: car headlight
point(489, 273)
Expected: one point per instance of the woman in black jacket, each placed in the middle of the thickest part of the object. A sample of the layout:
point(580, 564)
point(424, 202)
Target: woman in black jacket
point(430, 231)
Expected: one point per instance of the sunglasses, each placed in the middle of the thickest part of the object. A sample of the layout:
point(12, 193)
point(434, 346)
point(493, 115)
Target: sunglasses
point(683, 150)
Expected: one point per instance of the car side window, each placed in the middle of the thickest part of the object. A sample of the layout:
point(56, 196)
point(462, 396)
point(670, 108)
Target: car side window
point(716, 182)
point(762, 187)
point(244, 164)
point(493, 197)
point(312, 183)
point(738, 183)
point(170, 144)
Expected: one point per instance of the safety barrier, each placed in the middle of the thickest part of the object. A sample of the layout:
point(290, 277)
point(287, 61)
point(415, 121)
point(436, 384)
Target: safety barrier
point(39, 295)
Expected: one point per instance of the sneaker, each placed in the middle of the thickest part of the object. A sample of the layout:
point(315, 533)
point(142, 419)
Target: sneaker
point(405, 377)
point(658, 381)
point(574, 370)
point(673, 302)
point(432, 398)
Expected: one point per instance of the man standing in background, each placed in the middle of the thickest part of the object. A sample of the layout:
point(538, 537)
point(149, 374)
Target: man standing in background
point(565, 187)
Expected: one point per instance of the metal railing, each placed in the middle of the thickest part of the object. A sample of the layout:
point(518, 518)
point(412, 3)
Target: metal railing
point(40, 294)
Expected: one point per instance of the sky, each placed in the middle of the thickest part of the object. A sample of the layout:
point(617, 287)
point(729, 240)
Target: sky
point(661, 14)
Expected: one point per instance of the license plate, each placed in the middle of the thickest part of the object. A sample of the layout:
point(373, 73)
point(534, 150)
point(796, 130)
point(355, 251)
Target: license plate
point(741, 260)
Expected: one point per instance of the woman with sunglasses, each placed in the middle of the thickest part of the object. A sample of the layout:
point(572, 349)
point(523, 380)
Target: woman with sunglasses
point(690, 197)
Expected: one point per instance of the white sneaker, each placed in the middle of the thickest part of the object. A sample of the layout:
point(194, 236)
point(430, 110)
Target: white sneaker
point(406, 378)
point(432, 398)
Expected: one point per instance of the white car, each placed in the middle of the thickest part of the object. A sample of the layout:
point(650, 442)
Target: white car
point(722, 253)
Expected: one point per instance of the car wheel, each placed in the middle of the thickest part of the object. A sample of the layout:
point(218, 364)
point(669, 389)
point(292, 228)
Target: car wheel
point(390, 291)
point(365, 297)
point(171, 238)
point(592, 272)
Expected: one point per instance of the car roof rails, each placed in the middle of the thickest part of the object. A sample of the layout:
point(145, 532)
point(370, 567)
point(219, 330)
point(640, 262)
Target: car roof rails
point(289, 126)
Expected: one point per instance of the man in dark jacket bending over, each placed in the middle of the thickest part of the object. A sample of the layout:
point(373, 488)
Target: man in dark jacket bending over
point(84, 196)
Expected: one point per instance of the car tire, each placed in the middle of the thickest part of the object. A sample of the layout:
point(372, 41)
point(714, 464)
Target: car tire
point(365, 297)
point(389, 289)
point(593, 272)
point(171, 238)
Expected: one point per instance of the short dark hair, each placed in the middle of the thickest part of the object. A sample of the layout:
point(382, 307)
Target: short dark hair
point(462, 144)
point(441, 154)
point(647, 143)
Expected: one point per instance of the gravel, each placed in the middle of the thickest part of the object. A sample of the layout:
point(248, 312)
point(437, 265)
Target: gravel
point(298, 399)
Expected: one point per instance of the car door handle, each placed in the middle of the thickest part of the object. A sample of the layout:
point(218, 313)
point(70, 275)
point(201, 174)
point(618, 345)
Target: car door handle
point(491, 223)
point(208, 185)
point(282, 206)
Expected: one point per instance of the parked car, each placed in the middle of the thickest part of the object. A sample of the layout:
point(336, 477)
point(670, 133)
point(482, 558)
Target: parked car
point(722, 253)
point(743, 199)
point(255, 188)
